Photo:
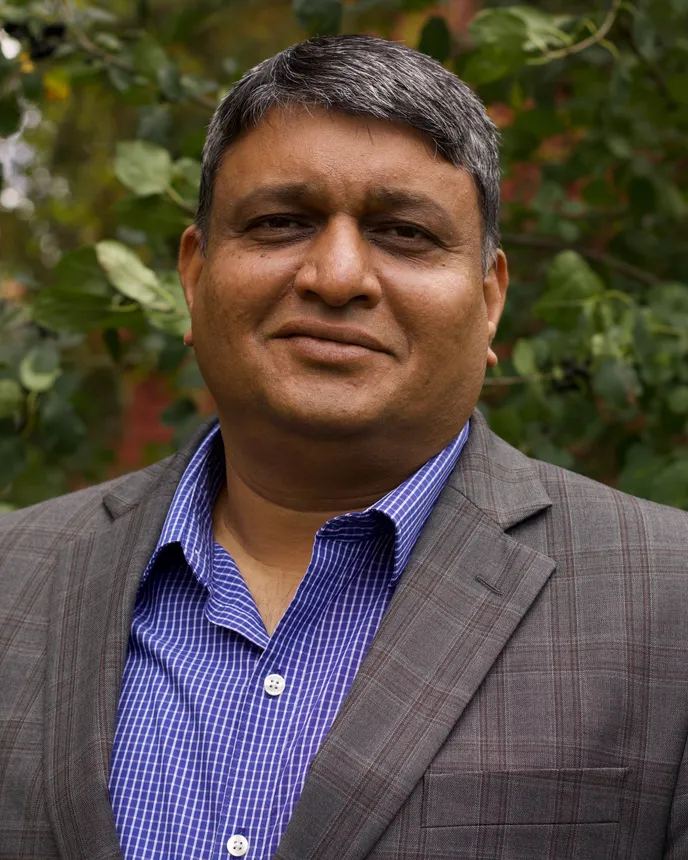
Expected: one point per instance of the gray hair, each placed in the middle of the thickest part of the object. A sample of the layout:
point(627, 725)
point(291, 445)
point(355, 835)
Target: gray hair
point(365, 76)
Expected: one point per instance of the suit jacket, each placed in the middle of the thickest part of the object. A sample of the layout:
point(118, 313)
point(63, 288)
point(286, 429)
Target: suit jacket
point(526, 696)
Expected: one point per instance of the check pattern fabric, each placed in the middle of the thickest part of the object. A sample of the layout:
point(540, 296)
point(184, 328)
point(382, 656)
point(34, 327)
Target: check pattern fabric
point(202, 753)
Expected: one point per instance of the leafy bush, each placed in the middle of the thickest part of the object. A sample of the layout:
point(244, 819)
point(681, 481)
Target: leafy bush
point(593, 108)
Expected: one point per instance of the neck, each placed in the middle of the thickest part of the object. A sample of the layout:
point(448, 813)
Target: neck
point(280, 491)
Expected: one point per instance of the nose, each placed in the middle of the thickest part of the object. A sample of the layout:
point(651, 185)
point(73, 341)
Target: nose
point(337, 268)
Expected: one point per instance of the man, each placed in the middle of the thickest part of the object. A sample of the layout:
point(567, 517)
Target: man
point(346, 621)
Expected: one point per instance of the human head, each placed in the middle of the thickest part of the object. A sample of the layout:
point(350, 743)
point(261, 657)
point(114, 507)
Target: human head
point(376, 214)
point(365, 76)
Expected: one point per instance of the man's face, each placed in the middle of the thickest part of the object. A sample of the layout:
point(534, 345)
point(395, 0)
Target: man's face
point(342, 290)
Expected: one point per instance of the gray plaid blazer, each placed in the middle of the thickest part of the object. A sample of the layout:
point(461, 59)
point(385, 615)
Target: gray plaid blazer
point(526, 697)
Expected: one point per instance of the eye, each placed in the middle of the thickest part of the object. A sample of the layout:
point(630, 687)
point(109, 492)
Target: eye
point(277, 222)
point(407, 231)
point(404, 233)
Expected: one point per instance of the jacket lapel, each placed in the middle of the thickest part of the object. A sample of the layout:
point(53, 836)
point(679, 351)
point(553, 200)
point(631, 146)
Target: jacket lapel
point(465, 589)
point(96, 578)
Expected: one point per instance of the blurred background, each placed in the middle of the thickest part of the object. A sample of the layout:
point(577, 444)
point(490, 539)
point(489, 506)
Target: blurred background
point(103, 111)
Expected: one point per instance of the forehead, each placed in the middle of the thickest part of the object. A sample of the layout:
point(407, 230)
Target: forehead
point(347, 158)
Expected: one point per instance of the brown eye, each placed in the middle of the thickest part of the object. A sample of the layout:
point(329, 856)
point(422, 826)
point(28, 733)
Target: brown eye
point(403, 233)
point(277, 222)
point(407, 231)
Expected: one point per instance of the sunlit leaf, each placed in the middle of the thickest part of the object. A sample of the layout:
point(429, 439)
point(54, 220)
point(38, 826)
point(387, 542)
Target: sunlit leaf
point(129, 276)
point(523, 358)
point(40, 368)
point(143, 167)
point(175, 321)
point(570, 281)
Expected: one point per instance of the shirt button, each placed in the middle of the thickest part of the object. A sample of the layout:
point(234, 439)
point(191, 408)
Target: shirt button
point(274, 685)
point(237, 845)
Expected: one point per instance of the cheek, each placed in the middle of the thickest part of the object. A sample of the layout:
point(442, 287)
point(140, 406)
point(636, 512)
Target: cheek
point(238, 291)
point(445, 317)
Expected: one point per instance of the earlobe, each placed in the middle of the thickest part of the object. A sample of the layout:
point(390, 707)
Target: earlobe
point(190, 266)
point(494, 289)
point(492, 360)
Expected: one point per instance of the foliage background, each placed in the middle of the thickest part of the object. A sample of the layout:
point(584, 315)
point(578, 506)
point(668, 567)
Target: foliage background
point(103, 110)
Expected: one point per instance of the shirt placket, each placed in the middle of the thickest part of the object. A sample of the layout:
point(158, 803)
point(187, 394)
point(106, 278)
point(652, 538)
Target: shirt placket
point(259, 755)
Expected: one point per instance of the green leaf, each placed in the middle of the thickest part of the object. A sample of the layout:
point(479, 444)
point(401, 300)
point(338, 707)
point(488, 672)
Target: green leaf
point(678, 399)
point(669, 303)
point(155, 123)
point(63, 309)
point(175, 321)
point(544, 30)
point(502, 27)
point(616, 382)
point(149, 56)
point(11, 398)
point(570, 281)
point(120, 79)
point(670, 487)
point(40, 368)
point(188, 170)
point(143, 167)
point(79, 271)
point(641, 466)
point(10, 116)
point(678, 87)
point(490, 64)
point(523, 358)
point(129, 276)
point(319, 17)
point(62, 432)
point(32, 86)
point(108, 41)
point(644, 34)
point(169, 80)
point(435, 39)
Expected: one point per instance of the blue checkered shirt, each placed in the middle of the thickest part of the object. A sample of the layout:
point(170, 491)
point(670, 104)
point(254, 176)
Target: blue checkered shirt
point(209, 757)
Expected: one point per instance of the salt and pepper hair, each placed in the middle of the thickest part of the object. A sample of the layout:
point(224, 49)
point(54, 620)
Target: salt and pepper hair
point(365, 76)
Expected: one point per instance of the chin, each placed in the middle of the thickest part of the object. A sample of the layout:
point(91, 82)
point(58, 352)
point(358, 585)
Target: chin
point(320, 420)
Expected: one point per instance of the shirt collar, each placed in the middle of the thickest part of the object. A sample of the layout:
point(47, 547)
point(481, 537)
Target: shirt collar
point(189, 521)
point(407, 507)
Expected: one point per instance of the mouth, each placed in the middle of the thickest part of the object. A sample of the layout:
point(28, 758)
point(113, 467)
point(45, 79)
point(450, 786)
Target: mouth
point(324, 351)
point(337, 339)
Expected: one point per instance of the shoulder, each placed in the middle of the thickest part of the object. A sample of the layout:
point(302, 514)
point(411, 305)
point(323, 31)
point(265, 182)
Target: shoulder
point(512, 487)
point(45, 527)
point(602, 510)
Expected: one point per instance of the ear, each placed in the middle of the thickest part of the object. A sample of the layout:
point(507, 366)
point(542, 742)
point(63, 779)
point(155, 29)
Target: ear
point(495, 286)
point(190, 266)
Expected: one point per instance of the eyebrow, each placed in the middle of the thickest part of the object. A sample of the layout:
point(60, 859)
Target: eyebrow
point(305, 193)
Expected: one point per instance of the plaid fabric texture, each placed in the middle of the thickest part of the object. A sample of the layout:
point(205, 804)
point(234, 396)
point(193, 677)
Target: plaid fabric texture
point(202, 752)
point(524, 698)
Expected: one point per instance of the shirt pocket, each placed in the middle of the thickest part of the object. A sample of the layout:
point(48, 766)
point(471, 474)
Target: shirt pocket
point(569, 813)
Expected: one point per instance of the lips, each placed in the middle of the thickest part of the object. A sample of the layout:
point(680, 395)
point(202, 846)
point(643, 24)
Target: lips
point(347, 335)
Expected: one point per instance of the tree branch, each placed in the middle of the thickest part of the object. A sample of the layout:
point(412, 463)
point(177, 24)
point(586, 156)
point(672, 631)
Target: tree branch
point(550, 243)
point(597, 37)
